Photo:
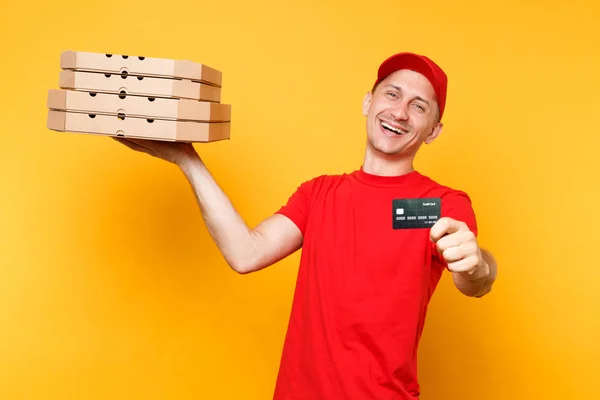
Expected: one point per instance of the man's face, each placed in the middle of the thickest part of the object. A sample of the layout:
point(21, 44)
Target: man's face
point(401, 114)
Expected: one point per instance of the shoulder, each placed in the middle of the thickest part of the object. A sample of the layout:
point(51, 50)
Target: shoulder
point(307, 195)
point(445, 192)
point(455, 203)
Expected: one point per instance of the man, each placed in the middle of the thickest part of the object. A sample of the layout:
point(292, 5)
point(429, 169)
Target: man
point(363, 285)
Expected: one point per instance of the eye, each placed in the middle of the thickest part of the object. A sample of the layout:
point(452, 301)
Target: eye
point(419, 106)
point(392, 94)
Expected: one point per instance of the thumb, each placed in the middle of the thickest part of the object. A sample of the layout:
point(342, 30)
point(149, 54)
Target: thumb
point(444, 226)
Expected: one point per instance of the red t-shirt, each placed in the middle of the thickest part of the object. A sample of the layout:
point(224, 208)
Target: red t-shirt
point(362, 289)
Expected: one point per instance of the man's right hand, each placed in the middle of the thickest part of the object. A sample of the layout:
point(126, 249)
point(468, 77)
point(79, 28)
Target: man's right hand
point(179, 153)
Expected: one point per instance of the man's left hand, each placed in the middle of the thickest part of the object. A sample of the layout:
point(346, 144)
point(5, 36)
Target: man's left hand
point(458, 246)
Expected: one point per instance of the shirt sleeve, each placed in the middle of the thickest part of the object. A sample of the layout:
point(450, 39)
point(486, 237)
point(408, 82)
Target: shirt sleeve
point(457, 205)
point(297, 207)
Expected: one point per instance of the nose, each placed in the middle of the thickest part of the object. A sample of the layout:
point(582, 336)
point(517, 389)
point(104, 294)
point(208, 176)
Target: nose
point(400, 112)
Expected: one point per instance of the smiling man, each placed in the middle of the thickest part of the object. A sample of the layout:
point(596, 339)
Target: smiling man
point(375, 243)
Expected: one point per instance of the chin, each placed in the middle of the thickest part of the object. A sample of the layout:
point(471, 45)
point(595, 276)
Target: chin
point(390, 152)
point(386, 148)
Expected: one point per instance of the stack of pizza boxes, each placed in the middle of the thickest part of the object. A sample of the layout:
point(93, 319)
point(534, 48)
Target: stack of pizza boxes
point(138, 97)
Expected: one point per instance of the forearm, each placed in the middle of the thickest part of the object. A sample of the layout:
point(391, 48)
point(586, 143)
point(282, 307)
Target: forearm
point(480, 282)
point(227, 228)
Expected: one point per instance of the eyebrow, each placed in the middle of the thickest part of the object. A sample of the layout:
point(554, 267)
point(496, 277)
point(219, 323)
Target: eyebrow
point(398, 88)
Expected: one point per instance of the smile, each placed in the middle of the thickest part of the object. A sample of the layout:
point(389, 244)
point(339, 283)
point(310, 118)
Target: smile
point(390, 128)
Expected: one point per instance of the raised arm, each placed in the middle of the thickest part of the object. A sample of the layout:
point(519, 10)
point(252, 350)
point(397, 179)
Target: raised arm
point(245, 249)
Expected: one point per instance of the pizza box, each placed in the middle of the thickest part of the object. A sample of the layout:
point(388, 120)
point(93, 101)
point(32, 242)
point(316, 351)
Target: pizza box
point(138, 106)
point(141, 128)
point(143, 86)
point(141, 66)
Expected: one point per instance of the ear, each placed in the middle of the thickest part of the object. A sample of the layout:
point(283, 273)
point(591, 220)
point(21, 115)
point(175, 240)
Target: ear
point(367, 103)
point(437, 129)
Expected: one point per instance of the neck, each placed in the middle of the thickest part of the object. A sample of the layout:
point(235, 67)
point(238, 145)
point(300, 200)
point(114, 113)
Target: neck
point(377, 163)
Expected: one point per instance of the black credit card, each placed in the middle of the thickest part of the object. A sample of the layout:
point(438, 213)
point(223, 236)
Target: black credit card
point(416, 213)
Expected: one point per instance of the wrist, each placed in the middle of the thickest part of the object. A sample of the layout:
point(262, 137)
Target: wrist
point(481, 272)
point(189, 163)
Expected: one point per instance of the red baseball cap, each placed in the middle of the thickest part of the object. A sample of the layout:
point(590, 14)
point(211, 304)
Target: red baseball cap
point(422, 65)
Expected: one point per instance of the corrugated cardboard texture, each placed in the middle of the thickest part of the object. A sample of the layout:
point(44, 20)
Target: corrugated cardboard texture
point(138, 65)
point(186, 131)
point(138, 97)
point(138, 106)
point(145, 86)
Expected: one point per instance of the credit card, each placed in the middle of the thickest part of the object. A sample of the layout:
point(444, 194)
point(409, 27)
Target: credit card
point(416, 213)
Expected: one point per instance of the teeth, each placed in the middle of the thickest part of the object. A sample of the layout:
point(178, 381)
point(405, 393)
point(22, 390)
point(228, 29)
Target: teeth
point(391, 128)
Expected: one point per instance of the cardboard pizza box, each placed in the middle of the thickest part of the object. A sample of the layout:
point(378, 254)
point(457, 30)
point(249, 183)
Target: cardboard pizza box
point(141, 128)
point(138, 106)
point(143, 86)
point(138, 65)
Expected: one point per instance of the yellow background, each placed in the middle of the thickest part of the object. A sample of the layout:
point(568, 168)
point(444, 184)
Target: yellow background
point(111, 288)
